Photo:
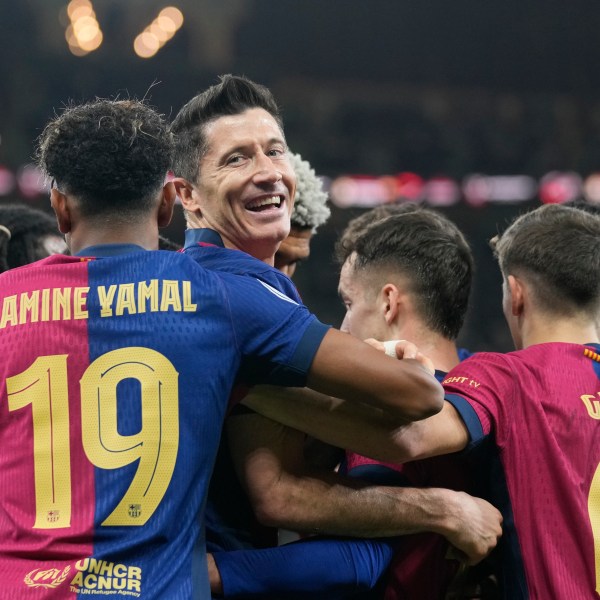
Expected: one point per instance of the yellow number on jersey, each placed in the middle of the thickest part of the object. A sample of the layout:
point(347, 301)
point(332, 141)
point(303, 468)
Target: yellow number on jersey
point(44, 385)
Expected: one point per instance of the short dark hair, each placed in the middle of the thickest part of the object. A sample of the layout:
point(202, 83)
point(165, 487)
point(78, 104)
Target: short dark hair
point(558, 249)
point(112, 155)
point(357, 226)
point(22, 232)
point(233, 95)
point(434, 257)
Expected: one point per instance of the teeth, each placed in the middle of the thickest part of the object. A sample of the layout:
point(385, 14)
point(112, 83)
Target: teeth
point(275, 200)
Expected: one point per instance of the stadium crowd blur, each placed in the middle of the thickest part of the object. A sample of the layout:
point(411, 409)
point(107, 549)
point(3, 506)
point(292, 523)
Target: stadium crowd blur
point(435, 95)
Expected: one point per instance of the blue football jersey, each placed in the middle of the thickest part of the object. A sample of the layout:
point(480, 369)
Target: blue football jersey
point(116, 373)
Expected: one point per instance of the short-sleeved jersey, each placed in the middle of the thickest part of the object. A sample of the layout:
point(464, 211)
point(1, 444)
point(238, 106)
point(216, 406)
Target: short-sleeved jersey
point(231, 523)
point(115, 376)
point(538, 410)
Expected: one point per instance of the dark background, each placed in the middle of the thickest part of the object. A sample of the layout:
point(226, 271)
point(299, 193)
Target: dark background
point(367, 87)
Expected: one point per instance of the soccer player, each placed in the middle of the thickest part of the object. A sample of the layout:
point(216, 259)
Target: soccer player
point(534, 410)
point(234, 178)
point(117, 366)
point(408, 276)
point(26, 235)
point(310, 211)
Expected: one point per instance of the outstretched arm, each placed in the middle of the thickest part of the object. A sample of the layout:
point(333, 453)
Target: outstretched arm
point(351, 369)
point(361, 428)
point(286, 493)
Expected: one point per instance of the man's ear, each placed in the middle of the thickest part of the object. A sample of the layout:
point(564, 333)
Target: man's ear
point(390, 302)
point(62, 210)
point(185, 190)
point(167, 204)
point(518, 293)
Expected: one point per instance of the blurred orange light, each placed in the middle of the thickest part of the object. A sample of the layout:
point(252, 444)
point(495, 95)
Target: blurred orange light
point(166, 24)
point(158, 32)
point(84, 23)
point(93, 43)
point(173, 13)
point(146, 45)
point(77, 50)
point(80, 12)
point(87, 33)
point(76, 5)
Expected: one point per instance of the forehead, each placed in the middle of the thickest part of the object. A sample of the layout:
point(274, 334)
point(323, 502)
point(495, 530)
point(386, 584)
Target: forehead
point(254, 124)
point(349, 283)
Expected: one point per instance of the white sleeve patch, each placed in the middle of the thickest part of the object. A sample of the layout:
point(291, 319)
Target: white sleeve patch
point(277, 293)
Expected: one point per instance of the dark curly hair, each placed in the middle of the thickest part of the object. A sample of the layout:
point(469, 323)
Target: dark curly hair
point(112, 155)
point(231, 96)
point(22, 233)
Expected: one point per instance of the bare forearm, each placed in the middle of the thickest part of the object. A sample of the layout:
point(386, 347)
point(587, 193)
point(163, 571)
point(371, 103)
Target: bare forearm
point(348, 368)
point(361, 428)
point(327, 503)
point(470, 525)
point(358, 427)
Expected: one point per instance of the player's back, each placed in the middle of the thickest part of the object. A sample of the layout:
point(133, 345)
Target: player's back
point(115, 378)
point(542, 405)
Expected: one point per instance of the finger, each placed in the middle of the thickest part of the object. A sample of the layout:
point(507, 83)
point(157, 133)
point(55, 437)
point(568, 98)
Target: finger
point(376, 344)
point(401, 349)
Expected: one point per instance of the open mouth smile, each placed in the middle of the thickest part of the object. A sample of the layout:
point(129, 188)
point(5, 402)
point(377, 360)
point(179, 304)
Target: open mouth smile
point(265, 203)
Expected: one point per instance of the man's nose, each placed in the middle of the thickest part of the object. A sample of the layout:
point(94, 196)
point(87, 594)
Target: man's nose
point(345, 326)
point(266, 171)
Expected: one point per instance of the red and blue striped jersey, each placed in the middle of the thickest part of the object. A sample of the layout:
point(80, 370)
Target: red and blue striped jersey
point(540, 408)
point(115, 376)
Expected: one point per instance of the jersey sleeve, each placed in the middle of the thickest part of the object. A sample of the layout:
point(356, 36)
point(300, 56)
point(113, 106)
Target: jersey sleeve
point(481, 389)
point(318, 568)
point(277, 336)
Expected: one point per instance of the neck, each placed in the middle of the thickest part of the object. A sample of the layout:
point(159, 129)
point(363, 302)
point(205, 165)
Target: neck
point(540, 329)
point(93, 234)
point(263, 250)
point(440, 350)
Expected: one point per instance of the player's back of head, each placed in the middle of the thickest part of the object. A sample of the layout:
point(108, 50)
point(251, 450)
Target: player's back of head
point(431, 254)
point(557, 248)
point(357, 226)
point(112, 156)
point(26, 234)
point(233, 95)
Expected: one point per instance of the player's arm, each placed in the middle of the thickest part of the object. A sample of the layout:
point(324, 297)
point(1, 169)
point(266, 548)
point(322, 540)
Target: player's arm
point(364, 429)
point(319, 566)
point(286, 493)
point(288, 345)
point(348, 368)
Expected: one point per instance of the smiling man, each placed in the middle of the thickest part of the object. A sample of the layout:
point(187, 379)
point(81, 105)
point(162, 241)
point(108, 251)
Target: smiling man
point(234, 179)
point(234, 174)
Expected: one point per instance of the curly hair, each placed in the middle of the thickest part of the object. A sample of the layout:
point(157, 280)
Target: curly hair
point(310, 206)
point(22, 233)
point(112, 155)
point(233, 95)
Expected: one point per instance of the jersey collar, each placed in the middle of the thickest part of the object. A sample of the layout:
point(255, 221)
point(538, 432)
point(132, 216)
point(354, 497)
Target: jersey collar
point(110, 250)
point(202, 237)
